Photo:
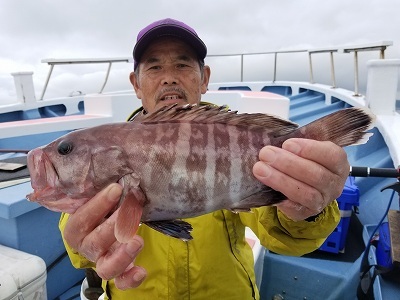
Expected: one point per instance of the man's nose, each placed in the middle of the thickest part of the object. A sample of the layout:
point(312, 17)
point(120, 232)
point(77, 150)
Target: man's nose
point(170, 77)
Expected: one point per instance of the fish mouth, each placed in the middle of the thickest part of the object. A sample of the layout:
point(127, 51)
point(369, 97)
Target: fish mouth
point(46, 185)
point(43, 174)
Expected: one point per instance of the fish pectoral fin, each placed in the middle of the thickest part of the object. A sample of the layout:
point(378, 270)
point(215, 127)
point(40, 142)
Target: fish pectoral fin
point(175, 228)
point(129, 215)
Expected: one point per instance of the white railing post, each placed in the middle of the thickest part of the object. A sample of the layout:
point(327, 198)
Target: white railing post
point(333, 78)
point(24, 87)
point(383, 76)
point(241, 68)
point(311, 69)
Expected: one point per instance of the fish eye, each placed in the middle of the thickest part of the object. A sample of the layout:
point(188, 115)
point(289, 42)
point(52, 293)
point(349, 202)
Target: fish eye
point(65, 147)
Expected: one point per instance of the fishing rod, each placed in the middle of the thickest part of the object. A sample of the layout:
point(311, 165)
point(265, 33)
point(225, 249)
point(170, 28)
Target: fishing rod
point(374, 172)
point(14, 150)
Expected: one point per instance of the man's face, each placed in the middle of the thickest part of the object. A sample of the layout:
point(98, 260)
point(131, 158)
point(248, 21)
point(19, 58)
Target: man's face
point(169, 73)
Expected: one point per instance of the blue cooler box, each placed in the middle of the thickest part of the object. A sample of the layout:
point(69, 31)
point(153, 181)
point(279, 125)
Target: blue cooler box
point(348, 199)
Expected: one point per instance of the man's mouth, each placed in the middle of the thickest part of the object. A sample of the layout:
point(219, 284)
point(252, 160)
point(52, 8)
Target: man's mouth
point(171, 97)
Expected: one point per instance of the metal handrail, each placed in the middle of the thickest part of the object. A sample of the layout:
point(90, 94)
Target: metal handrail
point(332, 64)
point(370, 47)
point(69, 61)
point(377, 46)
point(242, 55)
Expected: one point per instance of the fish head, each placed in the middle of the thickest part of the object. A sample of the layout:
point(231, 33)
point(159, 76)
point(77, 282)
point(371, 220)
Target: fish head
point(68, 172)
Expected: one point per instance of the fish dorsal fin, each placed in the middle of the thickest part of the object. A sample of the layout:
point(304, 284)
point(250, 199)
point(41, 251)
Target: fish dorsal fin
point(208, 114)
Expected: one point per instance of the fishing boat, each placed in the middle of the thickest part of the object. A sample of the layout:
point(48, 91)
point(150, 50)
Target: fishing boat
point(33, 261)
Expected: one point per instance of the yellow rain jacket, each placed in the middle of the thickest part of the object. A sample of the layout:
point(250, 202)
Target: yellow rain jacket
point(218, 262)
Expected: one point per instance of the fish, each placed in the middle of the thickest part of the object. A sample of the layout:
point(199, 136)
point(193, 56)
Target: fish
point(176, 163)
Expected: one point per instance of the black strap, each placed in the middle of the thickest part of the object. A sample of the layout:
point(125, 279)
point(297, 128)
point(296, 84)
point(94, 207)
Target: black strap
point(365, 287)
point(365, 290)
point(94, 290)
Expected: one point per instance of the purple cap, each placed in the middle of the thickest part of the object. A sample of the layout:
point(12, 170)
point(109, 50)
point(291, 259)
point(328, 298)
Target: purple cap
point(168, 27)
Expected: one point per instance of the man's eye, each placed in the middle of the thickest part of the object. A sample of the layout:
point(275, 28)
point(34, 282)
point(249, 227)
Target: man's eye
point(183, 66)
point(154, 68)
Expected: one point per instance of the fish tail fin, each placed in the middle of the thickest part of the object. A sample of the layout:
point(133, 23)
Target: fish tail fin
point(129, 216)
point(345, 127)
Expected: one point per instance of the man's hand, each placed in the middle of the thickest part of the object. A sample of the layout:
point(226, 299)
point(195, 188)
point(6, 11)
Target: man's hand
point(311, 174)
point(90, 233)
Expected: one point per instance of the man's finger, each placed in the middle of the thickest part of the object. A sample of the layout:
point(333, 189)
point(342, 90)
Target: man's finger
point(114, 263)
point(292, 188)
point(326, 154)
point(131, 278)
point(89, 216)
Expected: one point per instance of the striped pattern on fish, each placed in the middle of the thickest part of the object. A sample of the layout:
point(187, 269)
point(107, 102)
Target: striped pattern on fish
point(177, 162)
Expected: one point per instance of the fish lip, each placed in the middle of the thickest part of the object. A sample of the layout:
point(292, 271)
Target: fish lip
point(45, 183)
point(58, 202)
point(39, 163)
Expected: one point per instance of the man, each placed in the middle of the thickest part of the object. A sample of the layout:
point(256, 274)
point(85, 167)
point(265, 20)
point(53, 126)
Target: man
point(217, 263)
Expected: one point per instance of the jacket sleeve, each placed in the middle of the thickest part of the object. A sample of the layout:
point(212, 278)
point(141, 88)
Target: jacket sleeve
point(282, 235)
point(77, 260)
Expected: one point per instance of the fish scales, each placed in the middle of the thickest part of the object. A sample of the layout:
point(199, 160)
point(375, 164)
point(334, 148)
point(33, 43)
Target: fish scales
point(183, 178)
point(211, 164)
point(197, 166)
point(177, 162)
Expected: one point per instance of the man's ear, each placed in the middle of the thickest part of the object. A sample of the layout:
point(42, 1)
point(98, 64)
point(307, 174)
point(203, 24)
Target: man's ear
point(206, 79)
point(135, 83)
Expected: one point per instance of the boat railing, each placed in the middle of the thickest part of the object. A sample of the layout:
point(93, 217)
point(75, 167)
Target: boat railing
point(52, 62)
point(376, 46)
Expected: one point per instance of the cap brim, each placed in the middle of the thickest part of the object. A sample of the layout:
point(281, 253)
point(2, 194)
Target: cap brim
point(169, 30)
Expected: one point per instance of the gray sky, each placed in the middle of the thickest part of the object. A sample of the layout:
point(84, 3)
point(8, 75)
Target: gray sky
point(31, 30)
